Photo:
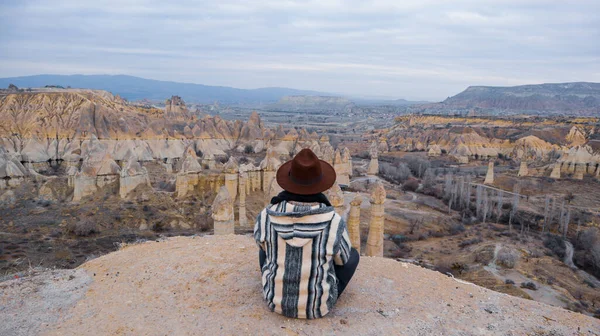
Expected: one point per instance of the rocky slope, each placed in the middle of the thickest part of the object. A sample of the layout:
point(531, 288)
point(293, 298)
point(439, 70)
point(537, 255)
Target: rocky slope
point(574, 98)
point(193, 285)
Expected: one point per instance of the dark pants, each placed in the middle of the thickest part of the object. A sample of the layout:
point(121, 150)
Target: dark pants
point(343, 273)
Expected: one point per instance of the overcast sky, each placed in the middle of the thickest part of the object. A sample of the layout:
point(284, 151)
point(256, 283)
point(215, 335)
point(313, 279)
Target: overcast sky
point(424, 49)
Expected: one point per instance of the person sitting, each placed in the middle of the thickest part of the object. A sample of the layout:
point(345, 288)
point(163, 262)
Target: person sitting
point(305, 255)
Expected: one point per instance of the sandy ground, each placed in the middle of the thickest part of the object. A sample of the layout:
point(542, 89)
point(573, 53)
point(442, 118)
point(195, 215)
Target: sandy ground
point(211, 285)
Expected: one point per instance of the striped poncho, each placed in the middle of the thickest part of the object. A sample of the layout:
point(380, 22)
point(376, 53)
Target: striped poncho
point(302, 242)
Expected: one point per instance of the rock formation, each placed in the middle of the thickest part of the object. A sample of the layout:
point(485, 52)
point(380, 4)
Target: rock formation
point(175, 108)
point(231, 170)
point(555, 174)
point(341, 166)
point(376, 224)
point(346, 157)
point(354, 222)
point(336, 198)
point(373, 169)
point(489, 176)
point(269, 167)
point(523, 171)
point(132, 175)
point(12, 172)
point(222, 213)
point(188, 176)
point(274, 190)
point(434, 151)
point(579, 171)
point(242, 190)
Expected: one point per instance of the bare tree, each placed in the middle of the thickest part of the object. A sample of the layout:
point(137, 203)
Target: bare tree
point(566, 222)
point(514, 205)
point(546, 212)
point(499, 203)
point(485, 205)
point(478, 200)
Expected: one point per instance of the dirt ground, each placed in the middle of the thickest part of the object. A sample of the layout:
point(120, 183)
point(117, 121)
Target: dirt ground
point(193, 285)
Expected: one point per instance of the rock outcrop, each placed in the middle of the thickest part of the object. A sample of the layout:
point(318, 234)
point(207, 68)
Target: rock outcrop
point(354, 221)
point(212, 285)
point(376, 223)
point(132, 175)
point(222, 213)
point(489, 176)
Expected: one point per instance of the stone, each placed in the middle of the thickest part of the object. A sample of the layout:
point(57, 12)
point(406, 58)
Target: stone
point(555, 174)
point(274, 190)
point(336, 198)
point(579, 171)
point(354, 221)
point(222, 213)
point(523, 171)
point(376, 224)
point(231, 170)
point(132, 175)
point(243, 180)
point(434, 151)
point(489, 176)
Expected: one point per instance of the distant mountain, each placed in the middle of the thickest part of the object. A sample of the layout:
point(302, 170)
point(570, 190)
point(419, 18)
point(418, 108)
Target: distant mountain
point(135, 88)
point(579, 98)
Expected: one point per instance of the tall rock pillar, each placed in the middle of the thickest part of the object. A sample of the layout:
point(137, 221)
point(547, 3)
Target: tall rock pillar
point(231, 170)
point(523, 171)
point(373, 169)
point(243, 220)
point(579, 170)
point(336, 198)
point(222, 213)
point(555, 174)
point(376, 225)
point(354, 222)
point(489, 177)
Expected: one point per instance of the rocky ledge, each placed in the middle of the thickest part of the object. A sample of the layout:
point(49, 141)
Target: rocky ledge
point(211, 285)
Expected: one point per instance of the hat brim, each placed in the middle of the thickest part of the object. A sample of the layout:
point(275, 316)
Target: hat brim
point(285, 182)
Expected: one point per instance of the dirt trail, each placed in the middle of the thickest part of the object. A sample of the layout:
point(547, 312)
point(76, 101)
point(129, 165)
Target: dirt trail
point(211, 285)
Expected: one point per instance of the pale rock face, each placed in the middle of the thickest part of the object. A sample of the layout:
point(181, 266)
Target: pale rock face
point(347, 158)
point(336, 198)
point(555, 174)
point(383, 146)
point(340, 164)
point(576, 136)
point(222, 212)
point(175, 108)
point(132, 175)
point(523, 171)
point(274, 190)
point(489, 177)
point(434, 151)
point(532, 148)
point(8, 198)
point(354, 222)
point(579, 171)
point(242, 190)
point(376, 225)
point(231, 170)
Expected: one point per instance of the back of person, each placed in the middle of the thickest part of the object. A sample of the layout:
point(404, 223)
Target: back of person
point(302, 242)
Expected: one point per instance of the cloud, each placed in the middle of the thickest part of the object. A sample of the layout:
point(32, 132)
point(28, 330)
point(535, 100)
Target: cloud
point(405, 49)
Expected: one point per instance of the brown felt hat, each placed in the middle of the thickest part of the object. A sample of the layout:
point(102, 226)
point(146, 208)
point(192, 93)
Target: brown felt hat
point(305, 174)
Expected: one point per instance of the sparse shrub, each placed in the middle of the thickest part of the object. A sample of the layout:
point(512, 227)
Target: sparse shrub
point(456, 229)
point(507, 257)
point(411, 184)
point(509, 282)
point(589, 283)
point(555, 244)
point(248, 149)
point(243, 160)
point(459, 267)
point(468, 242)
point(83, 228)
point(528, 285)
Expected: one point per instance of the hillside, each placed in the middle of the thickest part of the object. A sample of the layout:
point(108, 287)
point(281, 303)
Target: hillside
point(194, 285)
point(135, 88)
point(574, 98)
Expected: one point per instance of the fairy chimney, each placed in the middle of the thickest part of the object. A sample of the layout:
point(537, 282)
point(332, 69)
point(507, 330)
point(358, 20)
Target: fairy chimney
point(555, 174)
point(243, 180)
point(376, 224)
point(489, 177)
point(354, 222)
point(222, 213)
point(523, 171)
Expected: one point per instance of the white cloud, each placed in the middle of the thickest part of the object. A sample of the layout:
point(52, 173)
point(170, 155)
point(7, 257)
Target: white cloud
point(427, 48)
